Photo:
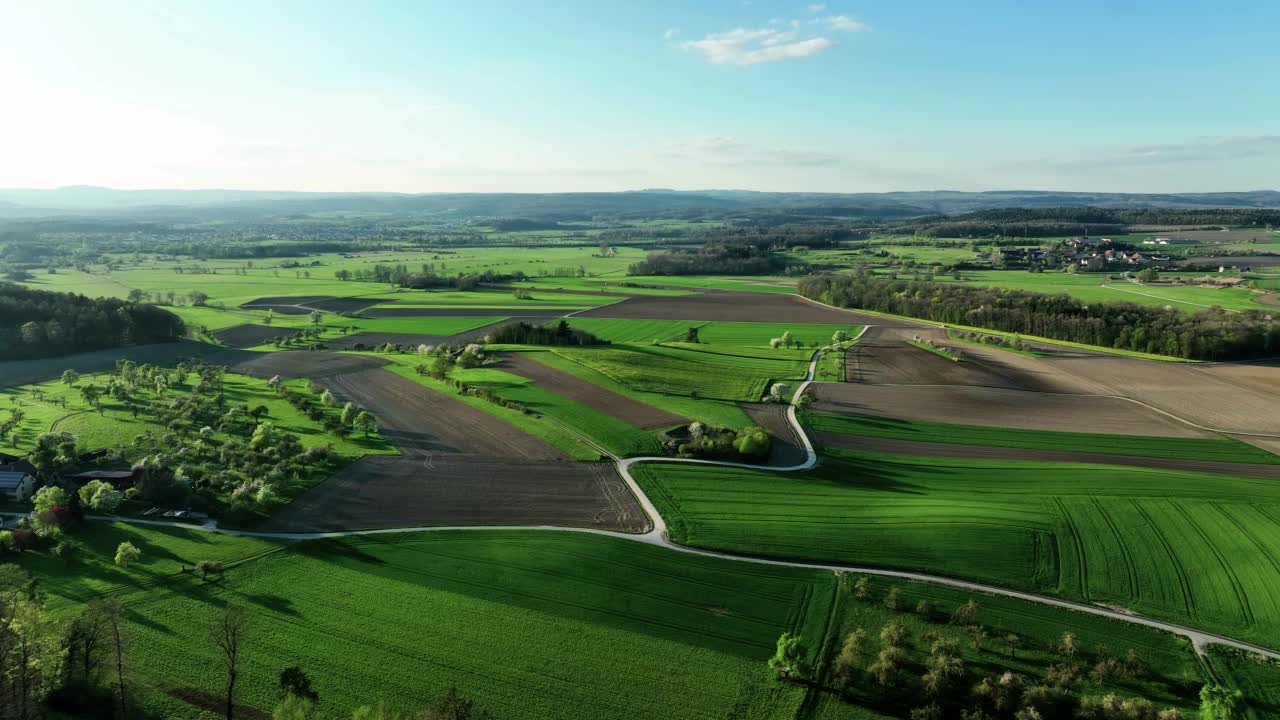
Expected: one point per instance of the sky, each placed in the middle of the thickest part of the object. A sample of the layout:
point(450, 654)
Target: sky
point(523, 96)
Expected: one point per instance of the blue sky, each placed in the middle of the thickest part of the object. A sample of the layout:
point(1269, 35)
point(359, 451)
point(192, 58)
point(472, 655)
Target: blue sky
point(1137, 96)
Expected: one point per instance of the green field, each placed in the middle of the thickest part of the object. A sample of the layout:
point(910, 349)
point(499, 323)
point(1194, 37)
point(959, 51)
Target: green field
point(738, 334)
point(1097, 287)
point(1199, 549)
point(1223, 449)
point(690, 370)
point(538, 625)
point(618, 437)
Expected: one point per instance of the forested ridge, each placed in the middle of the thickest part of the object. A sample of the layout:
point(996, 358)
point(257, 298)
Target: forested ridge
point(38, 323)
point(1051, 222)
point(1210, 335)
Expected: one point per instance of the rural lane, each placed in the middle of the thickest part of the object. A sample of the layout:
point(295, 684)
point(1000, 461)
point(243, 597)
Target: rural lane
point(657, 536)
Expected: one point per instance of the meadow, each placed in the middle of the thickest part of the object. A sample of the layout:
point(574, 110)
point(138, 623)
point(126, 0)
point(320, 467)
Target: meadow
point(1097, 287)
point(536, 624)
point(684, 369)
point(1196, 548)
point(1222, 448)
point(738, 334)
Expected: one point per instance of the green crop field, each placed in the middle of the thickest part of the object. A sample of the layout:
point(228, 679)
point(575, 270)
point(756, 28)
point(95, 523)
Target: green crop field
point(1224, 449)
point(1097, 287)
point(685, 371)
point(1197, 548)
point(618, 437)
point(542, 625)
point(740, 334)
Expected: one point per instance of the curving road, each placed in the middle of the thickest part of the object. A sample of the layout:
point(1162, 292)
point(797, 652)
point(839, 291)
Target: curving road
point(656, 535)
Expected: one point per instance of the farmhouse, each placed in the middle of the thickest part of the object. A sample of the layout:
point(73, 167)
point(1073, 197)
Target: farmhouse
point(16, 486)
point(1168, 241)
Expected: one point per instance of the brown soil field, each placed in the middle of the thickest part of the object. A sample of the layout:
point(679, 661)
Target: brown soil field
point(1000, 407)
point(884, 356)
point(786, 449)
point(977, 452)
point(424, 422)
point(593, 396)
point(23, 372)
point(391, 492)
point(250, 334)
point(606, 295)
point(1269, 299)
point(460, 466)
point(301, 305)
point(291, 364)
point(386, 312)
point(1223, 397)
point(734, 307)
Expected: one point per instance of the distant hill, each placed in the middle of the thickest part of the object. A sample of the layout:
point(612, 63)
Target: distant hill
point(159, 204)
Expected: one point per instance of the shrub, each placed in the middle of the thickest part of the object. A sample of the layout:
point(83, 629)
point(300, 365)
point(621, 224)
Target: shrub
point(126, 553)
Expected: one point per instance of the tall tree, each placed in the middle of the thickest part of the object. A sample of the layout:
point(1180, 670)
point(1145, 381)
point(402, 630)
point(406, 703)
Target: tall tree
point(227, 631)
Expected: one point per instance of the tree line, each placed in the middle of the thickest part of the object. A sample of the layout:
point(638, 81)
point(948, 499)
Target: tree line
point(38, 323)
point(1209, 335)
point(1050, 222)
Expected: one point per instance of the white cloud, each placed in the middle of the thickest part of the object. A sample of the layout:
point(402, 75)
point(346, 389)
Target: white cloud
point(742, 46)
point(817, 8)
point(845, 23)
point(670, 33)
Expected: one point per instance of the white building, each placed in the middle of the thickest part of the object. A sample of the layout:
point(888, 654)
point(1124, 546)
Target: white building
point(16, 486)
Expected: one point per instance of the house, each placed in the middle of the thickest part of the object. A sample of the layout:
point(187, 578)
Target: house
point(16, 486)
point(119, 479)
point(1169, 241)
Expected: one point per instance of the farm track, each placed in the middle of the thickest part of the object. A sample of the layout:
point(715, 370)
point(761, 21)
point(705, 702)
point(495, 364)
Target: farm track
point(656, 535)
point(980, 452)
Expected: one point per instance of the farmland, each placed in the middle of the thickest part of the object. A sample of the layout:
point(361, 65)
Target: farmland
point(1094, 532)
point(1055, 469)
point(612, 617)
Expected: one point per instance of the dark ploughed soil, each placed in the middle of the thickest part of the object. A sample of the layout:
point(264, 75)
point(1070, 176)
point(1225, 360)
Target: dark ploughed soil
point(291, 364)
point(23, 372)
point(593, 396)
point(999, 407)
point(460, 466)
point(786, 449)
point(250, 334)
point(386, 312)
point(467, 490)
point(978, 452)
point(734, 307)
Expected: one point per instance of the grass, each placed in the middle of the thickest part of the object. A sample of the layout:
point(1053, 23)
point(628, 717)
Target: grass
point(1097, 287)
point(418, 325)
point(735, 334)
point(533, 624)
point(719, 413)
point(545, 430)
point(617, 436)
point(684, 370)
point(1221, 449)
point(1199, 549)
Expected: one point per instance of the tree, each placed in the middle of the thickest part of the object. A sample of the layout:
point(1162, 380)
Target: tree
point(786, 660)
point(1012, 641)
point(1148, 275)
point(893, 599)
point(924, 609)
point(30, 646)
point(227, 631)
point(99, 496)
point(893, 633)
point(1068, 645)
point(1220, 703)
point(327, 398)
point(787, 338)
point(453, 706)
point(850, 657)
point(862, 588)
point(205, 568)
point(966, 614)
point(349, 412)
point(111, 615)
point(691, 335)
point(126, 553)
point(365, 423)
point(840, 336)
point(441, 367)
point(293, 707)
point(316, 316)
point(70, 377)
point(49, 497)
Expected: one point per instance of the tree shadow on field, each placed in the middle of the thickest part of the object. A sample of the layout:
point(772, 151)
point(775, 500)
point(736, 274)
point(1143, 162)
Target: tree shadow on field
point(869, 474)
point(331, 548)
point(272, 602)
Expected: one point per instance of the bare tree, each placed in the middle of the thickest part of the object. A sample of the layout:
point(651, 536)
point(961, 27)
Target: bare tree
point(111, 615)
point(227, 630)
